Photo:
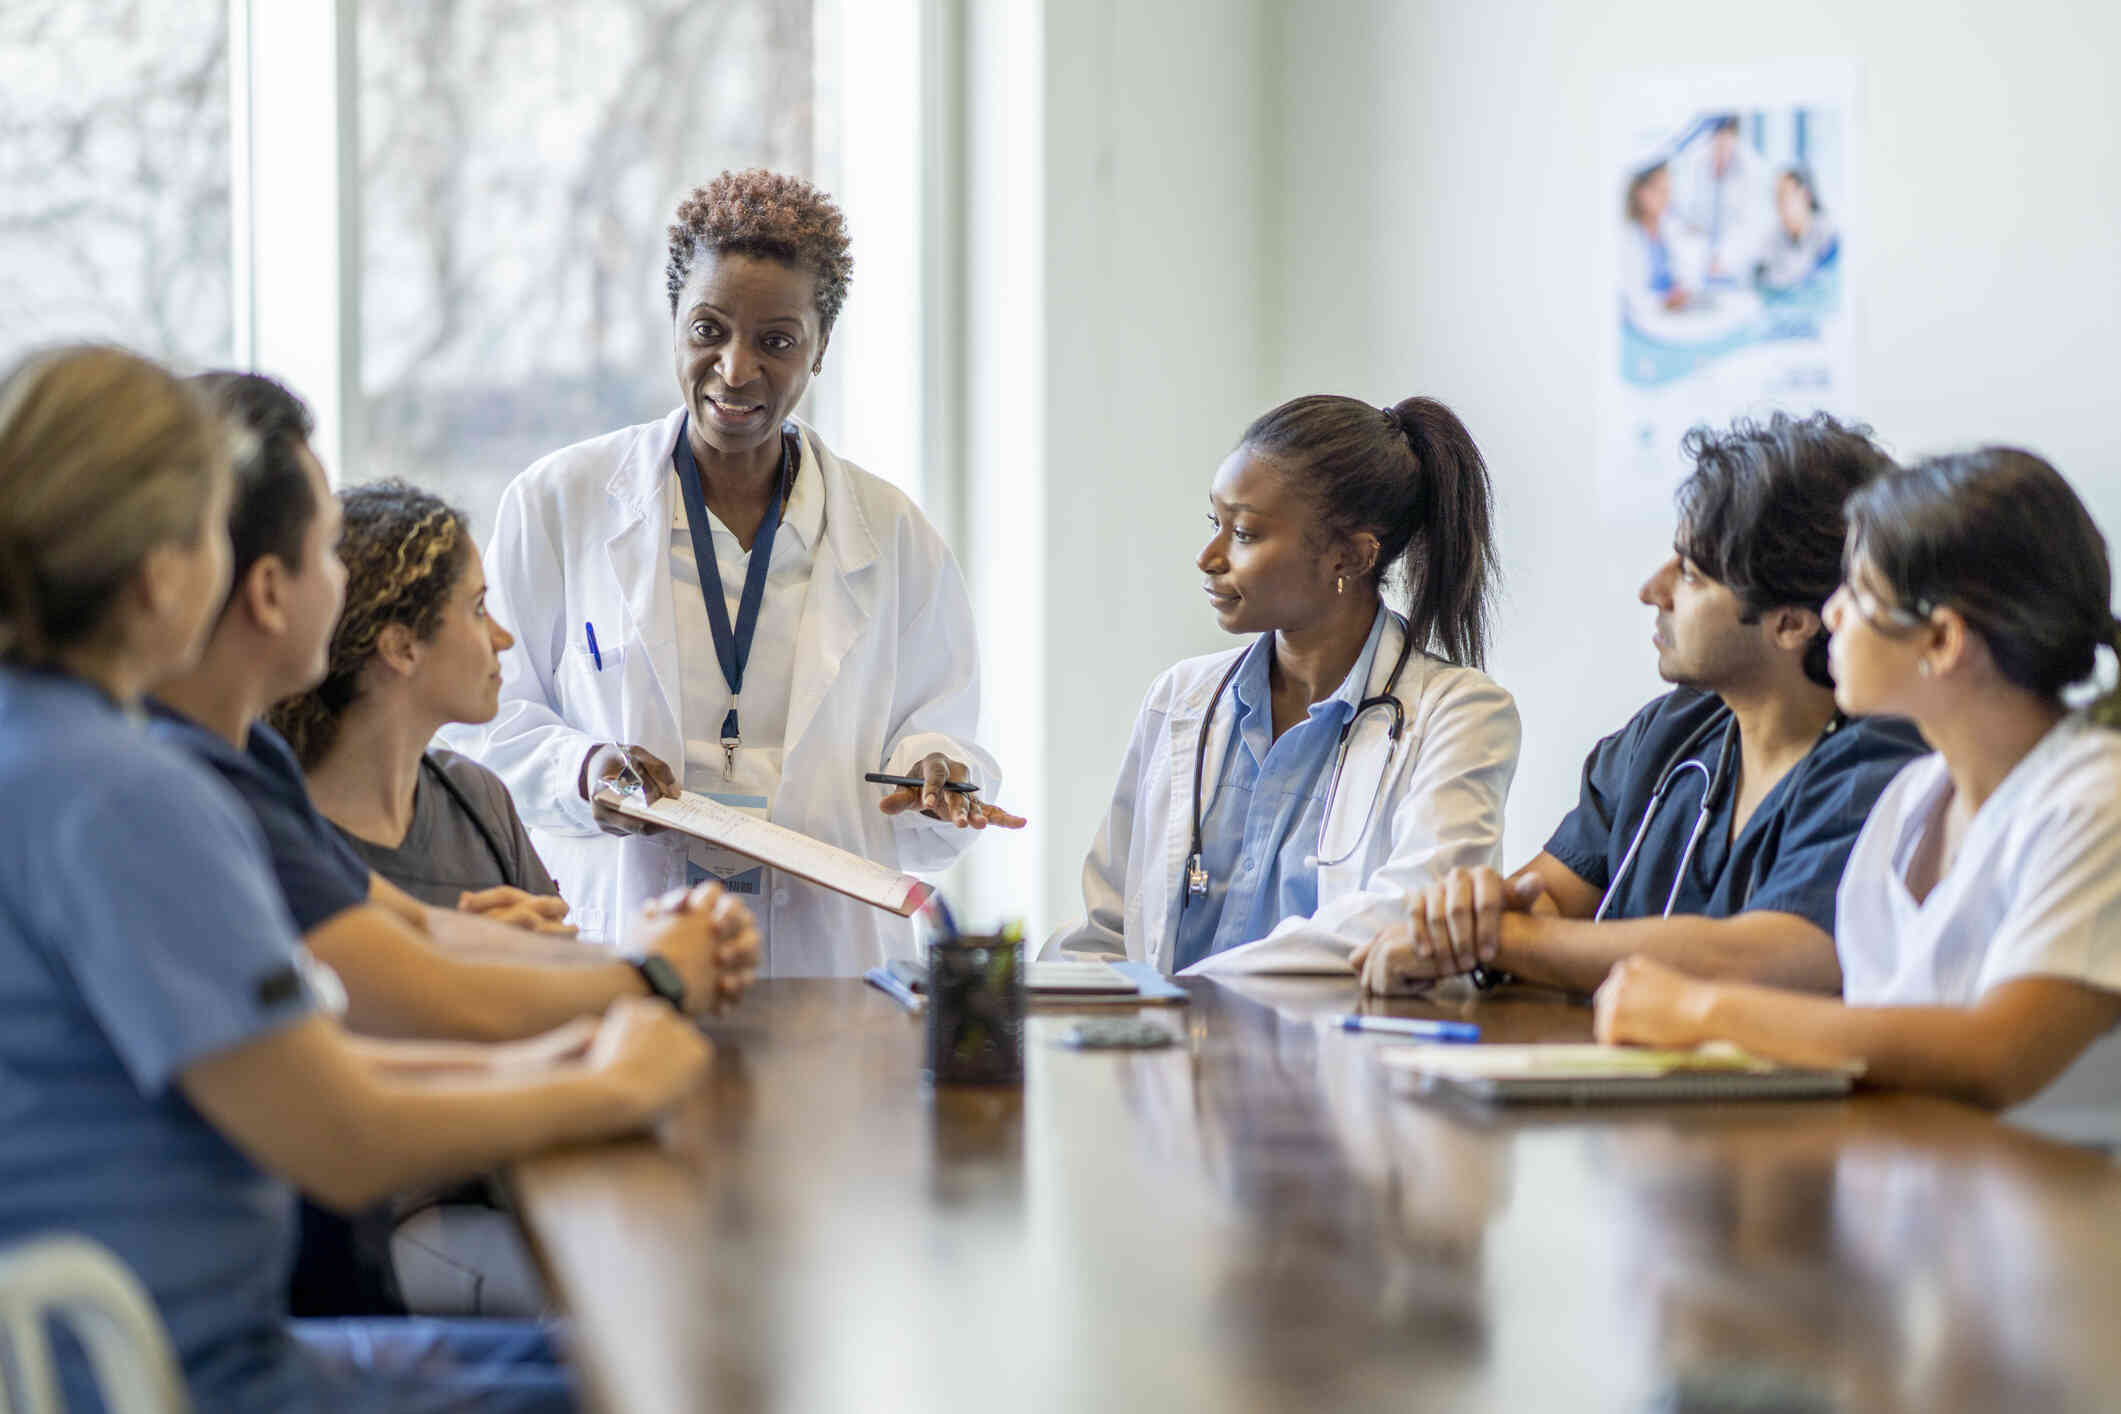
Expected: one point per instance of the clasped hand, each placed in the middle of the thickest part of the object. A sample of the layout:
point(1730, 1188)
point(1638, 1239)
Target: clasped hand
point(504, 903)
point(1452, 926)
point(712, 940)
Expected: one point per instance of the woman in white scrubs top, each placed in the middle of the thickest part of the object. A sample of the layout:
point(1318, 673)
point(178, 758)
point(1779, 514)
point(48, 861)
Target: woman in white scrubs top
point(715, 600)
point(1979, 919)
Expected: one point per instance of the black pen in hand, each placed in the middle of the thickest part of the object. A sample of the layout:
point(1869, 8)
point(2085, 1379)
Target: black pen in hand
point(961, 787)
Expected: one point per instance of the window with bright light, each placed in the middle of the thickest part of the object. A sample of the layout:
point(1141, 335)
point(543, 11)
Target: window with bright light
point(114, 176)
point(519, 166)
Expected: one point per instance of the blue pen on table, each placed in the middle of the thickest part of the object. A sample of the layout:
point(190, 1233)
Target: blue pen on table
point(891, 987)
point(590, 630)
point(1458, 1031)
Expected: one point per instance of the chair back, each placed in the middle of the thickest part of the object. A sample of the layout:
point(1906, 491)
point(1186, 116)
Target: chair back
point(80, 1284)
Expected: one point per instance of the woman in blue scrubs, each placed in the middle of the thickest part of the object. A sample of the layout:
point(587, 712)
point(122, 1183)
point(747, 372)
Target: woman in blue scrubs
point(1280, 800)
point(173, 1067)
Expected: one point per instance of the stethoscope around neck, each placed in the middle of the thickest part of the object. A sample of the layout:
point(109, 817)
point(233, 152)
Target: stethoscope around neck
point(1386, 701)
point(1678, 764)
point(1681, 762)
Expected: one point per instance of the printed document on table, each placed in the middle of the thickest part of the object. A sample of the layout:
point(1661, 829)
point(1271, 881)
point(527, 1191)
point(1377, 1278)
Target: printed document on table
point(774, 845)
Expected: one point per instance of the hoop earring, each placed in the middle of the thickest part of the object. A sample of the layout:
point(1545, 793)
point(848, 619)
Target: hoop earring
point(1340, 584)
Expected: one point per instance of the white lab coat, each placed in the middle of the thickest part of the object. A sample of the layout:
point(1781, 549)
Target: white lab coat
point(1729, 215)
point(1446, 782)
point(886, 671)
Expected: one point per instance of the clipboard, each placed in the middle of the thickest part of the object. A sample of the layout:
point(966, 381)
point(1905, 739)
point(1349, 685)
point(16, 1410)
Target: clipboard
point(776, 846)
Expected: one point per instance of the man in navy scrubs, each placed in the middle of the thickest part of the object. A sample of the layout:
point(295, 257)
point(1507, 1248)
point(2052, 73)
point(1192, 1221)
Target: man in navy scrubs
point(1712, 829)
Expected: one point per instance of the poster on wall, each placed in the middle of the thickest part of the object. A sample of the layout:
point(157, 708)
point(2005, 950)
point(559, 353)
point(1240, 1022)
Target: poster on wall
point(1733, 201)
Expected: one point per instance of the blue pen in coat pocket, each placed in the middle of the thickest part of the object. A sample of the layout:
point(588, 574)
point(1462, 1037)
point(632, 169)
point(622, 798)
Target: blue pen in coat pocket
point(589, 630)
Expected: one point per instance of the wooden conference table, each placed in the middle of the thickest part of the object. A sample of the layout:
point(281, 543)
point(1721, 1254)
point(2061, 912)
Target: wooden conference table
point(1250, 1220)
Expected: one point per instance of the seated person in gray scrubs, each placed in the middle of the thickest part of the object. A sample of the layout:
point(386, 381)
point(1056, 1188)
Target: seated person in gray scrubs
point(409, 968)
point(415, 650)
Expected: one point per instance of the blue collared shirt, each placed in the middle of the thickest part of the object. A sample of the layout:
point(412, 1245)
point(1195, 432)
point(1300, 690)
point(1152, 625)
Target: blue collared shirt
point(1262, 823)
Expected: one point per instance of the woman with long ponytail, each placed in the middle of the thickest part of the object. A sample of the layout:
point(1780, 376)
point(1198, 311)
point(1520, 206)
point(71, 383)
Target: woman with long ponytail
point(1978, 924)
point(1279, 800)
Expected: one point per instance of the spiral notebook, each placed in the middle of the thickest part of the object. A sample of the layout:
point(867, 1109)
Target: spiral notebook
point(1590, 1075)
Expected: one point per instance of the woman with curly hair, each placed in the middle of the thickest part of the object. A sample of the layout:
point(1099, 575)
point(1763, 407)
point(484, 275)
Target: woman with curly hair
point(717, 601)
point(175, 1064)
point(414, 651)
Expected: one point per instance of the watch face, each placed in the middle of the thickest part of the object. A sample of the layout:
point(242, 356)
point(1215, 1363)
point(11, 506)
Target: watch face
point(663, 979)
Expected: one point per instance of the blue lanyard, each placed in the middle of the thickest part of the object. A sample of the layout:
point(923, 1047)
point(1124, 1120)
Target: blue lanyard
point(731, 646)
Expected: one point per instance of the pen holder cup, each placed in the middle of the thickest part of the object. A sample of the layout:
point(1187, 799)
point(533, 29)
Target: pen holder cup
point(976, 1011)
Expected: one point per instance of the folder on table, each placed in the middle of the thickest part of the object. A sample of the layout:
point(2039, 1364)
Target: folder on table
point(1073, 984)
point(1588, 1075)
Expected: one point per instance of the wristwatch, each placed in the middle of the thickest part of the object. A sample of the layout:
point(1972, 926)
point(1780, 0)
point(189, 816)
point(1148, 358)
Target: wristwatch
point(662, 979)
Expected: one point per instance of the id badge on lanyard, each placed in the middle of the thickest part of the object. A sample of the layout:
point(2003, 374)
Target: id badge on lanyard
point(732, 647)
point(732, 642)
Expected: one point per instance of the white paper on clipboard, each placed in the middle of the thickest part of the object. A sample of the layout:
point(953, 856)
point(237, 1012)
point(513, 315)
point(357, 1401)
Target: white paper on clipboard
point(775, 845)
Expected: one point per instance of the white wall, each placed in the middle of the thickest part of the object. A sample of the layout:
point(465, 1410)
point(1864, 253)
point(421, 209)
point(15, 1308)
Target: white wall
point(1438, 205)
point(1184, 211)
point(1119, 318)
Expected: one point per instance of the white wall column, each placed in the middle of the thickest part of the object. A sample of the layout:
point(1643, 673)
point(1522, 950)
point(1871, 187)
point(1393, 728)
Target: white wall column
point(1115, 345)
point(295, 150)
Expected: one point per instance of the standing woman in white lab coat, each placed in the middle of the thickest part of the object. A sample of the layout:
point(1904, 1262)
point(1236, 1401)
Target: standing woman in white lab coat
point(834, 635)
point(1280, 800)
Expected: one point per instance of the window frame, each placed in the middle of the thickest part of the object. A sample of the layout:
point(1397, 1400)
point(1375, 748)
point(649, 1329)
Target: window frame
point(884, 400)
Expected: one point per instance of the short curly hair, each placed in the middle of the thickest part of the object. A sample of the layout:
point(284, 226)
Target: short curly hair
point(404, 550)
point(1761, 511)
point(756, 212)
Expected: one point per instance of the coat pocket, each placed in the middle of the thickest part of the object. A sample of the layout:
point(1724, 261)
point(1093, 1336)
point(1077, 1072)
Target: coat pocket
point(592, 697)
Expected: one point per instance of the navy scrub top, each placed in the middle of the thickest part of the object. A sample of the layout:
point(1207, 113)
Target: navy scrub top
point(319, 874)
point(1791, 853)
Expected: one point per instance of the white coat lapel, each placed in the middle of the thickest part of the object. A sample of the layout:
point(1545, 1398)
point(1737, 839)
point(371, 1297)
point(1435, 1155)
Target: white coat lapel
point(1188, 715)
point(1374, 760)
point(638, 550)
point(1387, 654)
point(843, 592)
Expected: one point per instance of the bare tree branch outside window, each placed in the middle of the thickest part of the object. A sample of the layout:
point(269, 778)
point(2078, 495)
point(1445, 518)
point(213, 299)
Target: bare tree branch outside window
point(520, 162)
point(114, 162)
